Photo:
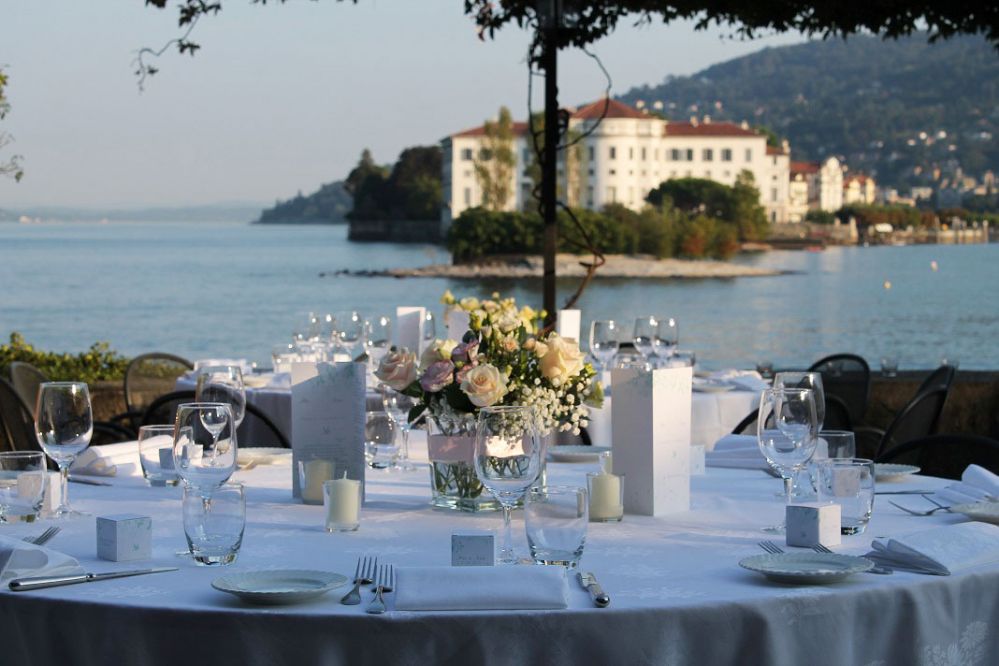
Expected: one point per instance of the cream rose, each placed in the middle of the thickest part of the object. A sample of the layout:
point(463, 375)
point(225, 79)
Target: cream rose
point(397, 369)
point(562, 359)
point(484, 385)
point(507, 321)
point(439, 350)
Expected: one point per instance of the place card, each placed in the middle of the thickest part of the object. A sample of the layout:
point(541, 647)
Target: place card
point(327, 419)
point(408, 329)
point(650, 422)
point(124, 537)
point(568, 324)
point(472, 548)
point(812, 523)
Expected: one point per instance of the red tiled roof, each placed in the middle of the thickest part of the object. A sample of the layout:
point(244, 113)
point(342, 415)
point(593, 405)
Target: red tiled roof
point(615, 109)
point(519, 129)
point(774, 150)
point(804, 167)
point(687, 128)
point(859, 177)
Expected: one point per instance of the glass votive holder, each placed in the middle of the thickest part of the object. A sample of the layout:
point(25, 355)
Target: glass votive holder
point(312, 474)
point(342, 500)
point(23, 481)
point(889, 366)
point(848, 482)
point(682, 359)
point(606, 491)
point(214, 520)
point(156, 454)
point(555, 518)
point(838, 444)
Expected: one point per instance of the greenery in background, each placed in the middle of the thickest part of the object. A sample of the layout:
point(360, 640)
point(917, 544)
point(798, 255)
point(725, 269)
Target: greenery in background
point(738, 205)
point(898, 216)
point(328, 205)
point(496, 160)
point(98, 363)
point(410, 190)
point(12, 167)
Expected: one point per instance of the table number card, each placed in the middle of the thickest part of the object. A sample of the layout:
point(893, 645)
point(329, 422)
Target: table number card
point(650, 421)
point(568, 324)
point(408, 329)
point(327, 417)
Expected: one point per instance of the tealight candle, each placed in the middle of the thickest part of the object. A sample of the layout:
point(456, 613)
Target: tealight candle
point(312, 475)
point(606, 497)
point(343, 504)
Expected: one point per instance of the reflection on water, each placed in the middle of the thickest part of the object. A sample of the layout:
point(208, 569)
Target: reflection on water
point(234, 290)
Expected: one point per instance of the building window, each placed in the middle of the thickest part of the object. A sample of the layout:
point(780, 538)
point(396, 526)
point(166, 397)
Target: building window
point(690, 154)
point(613, 172)
point(631, 195)
point(613, 153)
point(707, 174)
point(589, 196)
point(749, 154)
point(707, 154)
point(643, 154)
point(674, 155)
point(726, 154)
point(466, 154)
point(468, 196)
point(655, 155)
point(590, 151)
point(773, 195)
point(611, 194)
point(591, 172)
point(527, 155)
point(631, 153)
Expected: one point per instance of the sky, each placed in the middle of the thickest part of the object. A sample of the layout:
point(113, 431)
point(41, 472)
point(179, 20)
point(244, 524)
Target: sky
point(282, 97)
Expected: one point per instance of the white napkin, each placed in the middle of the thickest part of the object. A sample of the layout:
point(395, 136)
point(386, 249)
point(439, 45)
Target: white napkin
point(736, 451)
point(745, 380)
point(19, 559)
point(977, 484)
point(480, 588)
point(243, 364)
point(941, 550)
point(109, 460)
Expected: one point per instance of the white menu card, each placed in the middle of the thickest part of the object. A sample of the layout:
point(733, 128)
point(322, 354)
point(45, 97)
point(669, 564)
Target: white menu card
point(568, 324)
point(408, 329)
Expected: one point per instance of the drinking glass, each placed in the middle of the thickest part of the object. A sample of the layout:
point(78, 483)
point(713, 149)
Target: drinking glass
point(282, 356)
point(398, 405)
point(204, 443)
point(804, 481)
point(849, 482)
point(156, 455)
point(214, 520)
point(645, 335)
point(378, 339)
point(604, 341)
point(838, 444)
point(429, 331)
point(507, 460)
point(222, 383)
point(64, 423)
point(889, 366)
point(681, 359)
point(786, 428)
point(667, 337)
point(22, 485)
point(555, 518)
point(380, 450)
point(349, 330)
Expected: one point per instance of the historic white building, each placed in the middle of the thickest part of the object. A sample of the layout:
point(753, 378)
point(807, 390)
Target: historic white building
point(860, 189)
point(624, 158)
point(815, 186)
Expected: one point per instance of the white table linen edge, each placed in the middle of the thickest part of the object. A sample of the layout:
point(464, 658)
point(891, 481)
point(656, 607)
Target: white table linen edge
point(481, 588)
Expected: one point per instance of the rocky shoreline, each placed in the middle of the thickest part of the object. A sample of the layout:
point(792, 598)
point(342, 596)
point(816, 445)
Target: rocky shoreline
point(569, 265)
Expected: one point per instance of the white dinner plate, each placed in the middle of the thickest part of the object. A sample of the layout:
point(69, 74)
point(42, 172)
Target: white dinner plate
point(573, 453)
point(892, 472)
point(262, 455)
point(281, 586)
point(986, 512)
point(712, 386)
point(806, 568)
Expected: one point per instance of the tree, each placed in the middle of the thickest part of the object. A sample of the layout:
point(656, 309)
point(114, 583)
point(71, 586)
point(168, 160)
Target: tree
point(496, 162)
point(366, 183)
point(12, 167)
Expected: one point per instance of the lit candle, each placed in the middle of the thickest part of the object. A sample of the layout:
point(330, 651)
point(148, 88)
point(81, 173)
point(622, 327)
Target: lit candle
point(313, 474)
point(605, 497)
point(343, 504)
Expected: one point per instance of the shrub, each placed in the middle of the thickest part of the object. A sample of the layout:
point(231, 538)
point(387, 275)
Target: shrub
point(98, 363)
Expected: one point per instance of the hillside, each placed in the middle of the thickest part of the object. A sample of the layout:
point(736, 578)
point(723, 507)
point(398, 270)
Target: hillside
point(898, 110)
point(328, 205)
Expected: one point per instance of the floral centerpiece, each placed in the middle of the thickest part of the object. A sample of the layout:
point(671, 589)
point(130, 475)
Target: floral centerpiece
point(503, 359)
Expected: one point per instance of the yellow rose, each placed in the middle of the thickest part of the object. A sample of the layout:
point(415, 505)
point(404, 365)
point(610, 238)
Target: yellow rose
point(469, 303)
point(397, 369)
point(439, 350)
point(562, 359)
point(484, 385)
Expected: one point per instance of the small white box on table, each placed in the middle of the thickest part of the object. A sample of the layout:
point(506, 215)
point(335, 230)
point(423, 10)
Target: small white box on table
point(124, 537)
point(812, 523)
point(472, 548)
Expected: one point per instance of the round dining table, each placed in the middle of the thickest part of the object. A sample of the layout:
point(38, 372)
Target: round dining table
point(678, 594)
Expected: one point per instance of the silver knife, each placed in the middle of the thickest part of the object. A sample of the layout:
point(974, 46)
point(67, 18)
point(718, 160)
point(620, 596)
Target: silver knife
point(904, 492)
point(38, 582)
point(89, 482)
point(590, 584)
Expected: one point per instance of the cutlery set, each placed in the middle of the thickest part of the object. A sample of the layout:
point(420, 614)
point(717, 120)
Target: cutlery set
point(774, 549)
point(368, 572)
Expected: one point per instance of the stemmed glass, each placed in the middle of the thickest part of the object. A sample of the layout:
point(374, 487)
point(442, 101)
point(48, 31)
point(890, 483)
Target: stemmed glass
point(507, 460)
point(398, 405)
point(786, 432)
point(667, 338)
point(204, 444)
point(805, 380)
point(349, 331)
point(645, 335)
point(378, 338)
point(429, 331)
point(604, 341)
point(64, 423)
point(222, 383)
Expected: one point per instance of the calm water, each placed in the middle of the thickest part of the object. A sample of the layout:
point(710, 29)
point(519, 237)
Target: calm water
point(235, 290)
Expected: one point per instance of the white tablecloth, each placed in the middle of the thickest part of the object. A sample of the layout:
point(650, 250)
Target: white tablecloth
point(678, 594)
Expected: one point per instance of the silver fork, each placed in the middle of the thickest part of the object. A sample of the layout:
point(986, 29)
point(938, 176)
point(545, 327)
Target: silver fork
point(876, 569)
point(44, 537)
point(919, 513)
point(364, 574)
point(386, 579)
point(771, 547)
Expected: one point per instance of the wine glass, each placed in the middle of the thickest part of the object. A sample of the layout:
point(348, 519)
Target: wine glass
point(507, 459)
point(805, 380)
point(644, 335)
point(349, 330)
point(429, 331)
point(786, 433)
point(378, 338)
point(204, 444)
point(64, 423)
point(667, 337)
point(604, 341)
point(398, 406)
point(222, 383)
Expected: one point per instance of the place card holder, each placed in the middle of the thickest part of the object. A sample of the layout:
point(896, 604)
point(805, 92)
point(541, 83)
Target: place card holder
point(124, 538)
point(810, 524)
point(408, 329)
point(327, 419)
point(650, 422)
point(472, 548)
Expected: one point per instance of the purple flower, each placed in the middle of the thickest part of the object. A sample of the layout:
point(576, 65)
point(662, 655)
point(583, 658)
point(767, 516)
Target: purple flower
point(466, 351)
point(437, 376)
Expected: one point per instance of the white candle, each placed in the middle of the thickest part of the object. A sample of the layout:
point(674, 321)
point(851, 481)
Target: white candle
point(343, 504)
point(605, 497)
point(316, 473)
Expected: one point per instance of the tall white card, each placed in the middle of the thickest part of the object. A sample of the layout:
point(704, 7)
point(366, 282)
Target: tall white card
point(408, 329)
point(327, 418)
point(457, 323)
point(568, 324)
point(651, 431)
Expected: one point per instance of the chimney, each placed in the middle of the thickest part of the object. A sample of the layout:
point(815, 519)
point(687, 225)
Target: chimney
point(693, 121)
point(707, 119)
point(744, 125)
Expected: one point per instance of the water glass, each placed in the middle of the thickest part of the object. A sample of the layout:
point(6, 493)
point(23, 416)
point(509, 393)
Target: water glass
point(645, 335)
point(889, 366)
point(556, 518)
point(156, 455)
point(349, 330)
point(398, 405)
point(838, 444)
point(667, 337)
point(380, 449)
point(848, 482)
point(681, 359)
point(214, 520)
point(64, 424)
point(22, 485)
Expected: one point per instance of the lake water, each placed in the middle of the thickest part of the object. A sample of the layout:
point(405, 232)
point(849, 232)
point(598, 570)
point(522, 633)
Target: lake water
point(204, 290)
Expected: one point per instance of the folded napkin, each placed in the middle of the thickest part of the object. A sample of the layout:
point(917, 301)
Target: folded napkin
point(736, 451)
point(243, 364)
point(19, 559)
point(977, 484)
point(108, 460)
point(745, 380)
point(940, 551)
point(480, 588)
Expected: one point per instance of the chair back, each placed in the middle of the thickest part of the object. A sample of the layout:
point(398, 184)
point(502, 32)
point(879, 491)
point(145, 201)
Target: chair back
point(17, 424)
point(26, 378)
point(266, 433)
point(837, 414)
point(946, 456)
point(942, 376)
point(848, 378)
point(151, 375)
point(919, 418)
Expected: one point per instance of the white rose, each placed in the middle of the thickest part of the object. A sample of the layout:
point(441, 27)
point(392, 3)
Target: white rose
point(397, 369)
point(439, 350)
point(508, 320)
point(562, 360)
point(484, 385)
point(509, 344)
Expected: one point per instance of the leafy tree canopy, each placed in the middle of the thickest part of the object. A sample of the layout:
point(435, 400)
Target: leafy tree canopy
point(411, 190)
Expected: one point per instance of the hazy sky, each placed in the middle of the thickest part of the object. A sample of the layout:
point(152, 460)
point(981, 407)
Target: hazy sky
point(281, 98)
